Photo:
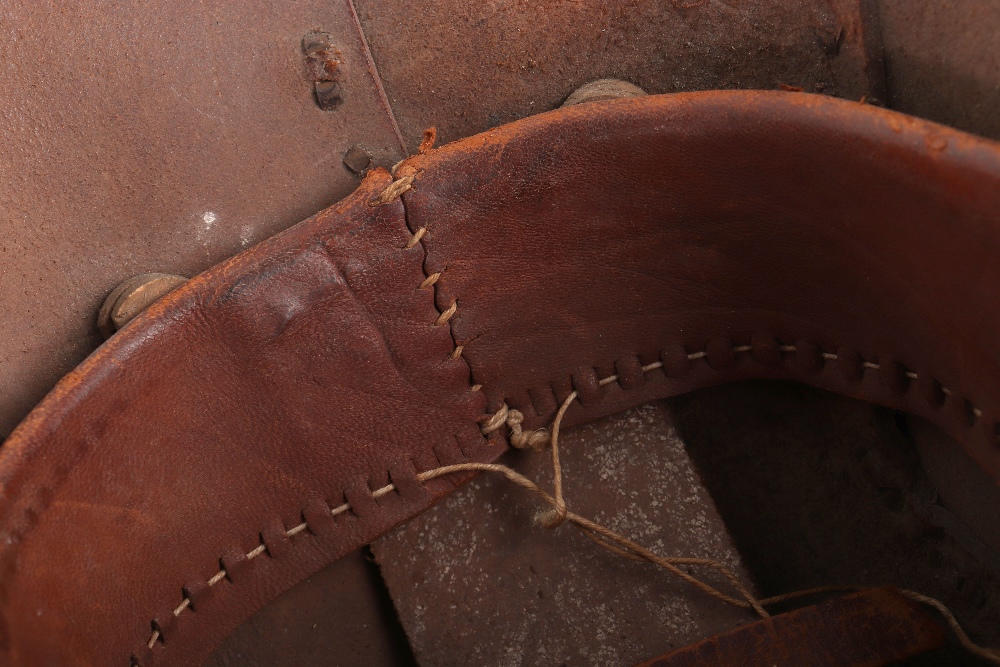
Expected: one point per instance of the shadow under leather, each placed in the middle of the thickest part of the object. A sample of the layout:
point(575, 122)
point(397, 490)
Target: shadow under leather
point(339, 617)
point(817, 489)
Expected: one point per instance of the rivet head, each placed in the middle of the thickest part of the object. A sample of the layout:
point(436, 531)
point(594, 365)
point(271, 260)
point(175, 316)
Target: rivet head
point(323, 62)
point(603, 89)
point(132, 297)
point(357, 159)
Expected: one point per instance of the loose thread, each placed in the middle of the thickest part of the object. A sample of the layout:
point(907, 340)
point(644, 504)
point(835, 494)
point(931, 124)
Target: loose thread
point(990, 654)
point(427, 142)
point(559, 513)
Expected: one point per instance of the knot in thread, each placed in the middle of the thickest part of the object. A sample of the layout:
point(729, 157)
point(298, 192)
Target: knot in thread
point(522, 439)
point(519, 438)
point(554, 517)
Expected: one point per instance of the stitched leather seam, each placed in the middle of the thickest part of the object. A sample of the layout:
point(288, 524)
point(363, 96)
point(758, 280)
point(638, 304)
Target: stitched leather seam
point(431, 279)
point(254, 553)
point(391, 193)
point(975, 414)
point(396, 190)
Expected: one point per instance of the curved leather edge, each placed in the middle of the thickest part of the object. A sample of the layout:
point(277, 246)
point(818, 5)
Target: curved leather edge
point(304, 374)
point(725, 236)
point(755, 235)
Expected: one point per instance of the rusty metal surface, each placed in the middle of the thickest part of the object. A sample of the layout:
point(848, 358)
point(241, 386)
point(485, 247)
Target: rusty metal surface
point(476, 582)
point(192, 131)
point(868, 629)
point(138, 138)
point(339, 617)
point(468, 66)
point(943, 61)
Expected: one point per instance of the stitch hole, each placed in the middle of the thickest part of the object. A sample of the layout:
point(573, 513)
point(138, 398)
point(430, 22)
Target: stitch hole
point(543, 400)
point(849, 364)
point(233, 564)
point(586, 384)
point(346, 511)
point(719, 353)
point(808, 357)
point(447, 314)
point(157, 634)
point(764, 350)
point(198, 593)
point(317, 517)
point(906, 377)
point(970, 412)
point(430, 280)
point(931, 391)
point(404, 476)
point(166, 626)
point(447, 452)
point(894, 375)
point(363, 505)
point(676, 363)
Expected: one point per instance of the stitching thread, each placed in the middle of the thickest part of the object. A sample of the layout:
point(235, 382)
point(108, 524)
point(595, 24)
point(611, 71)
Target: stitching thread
point(974, 411)
point(257, 551)
point(519, 438)
point(394, 191)
point(504, 416)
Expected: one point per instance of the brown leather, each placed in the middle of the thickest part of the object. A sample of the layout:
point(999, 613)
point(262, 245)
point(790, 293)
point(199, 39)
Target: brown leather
point(306, 370)
point(703, 230)
point(140, 141)
point(699, 224)
point(873, 628)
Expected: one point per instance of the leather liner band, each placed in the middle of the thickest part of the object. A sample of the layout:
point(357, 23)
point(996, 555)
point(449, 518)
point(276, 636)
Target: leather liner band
point(726, 235)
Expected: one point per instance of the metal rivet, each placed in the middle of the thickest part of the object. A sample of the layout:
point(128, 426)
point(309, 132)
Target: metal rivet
point(323, 61)
point(132, 297)
point(357, 159)
point(603, 89)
